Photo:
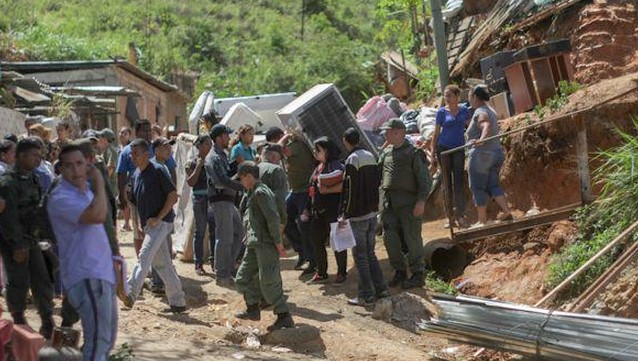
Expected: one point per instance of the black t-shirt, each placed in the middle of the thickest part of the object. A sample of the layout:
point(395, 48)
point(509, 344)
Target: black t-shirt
point(202, 182)
point(150, 189)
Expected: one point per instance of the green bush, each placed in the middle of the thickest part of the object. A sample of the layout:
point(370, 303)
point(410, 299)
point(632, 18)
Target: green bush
point(601, 222)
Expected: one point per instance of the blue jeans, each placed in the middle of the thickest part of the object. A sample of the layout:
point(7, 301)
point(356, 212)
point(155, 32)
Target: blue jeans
point(371, 280)
point(295, 230)
point(155, 252)
point(484, 167)
point(95, 302)
point(229, 232)
point(202, 219)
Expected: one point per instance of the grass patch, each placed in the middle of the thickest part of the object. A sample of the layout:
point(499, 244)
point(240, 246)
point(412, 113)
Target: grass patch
point(435, 283)
point(601, 222)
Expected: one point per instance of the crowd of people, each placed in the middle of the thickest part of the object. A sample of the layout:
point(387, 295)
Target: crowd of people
point(60, 199)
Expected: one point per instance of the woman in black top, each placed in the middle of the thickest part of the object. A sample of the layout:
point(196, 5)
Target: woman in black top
point(325, 193)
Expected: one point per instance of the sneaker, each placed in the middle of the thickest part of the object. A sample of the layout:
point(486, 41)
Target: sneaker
point(383, 294)
point(399, 277)
point(178, 309)
point(417, 280)
point(199, 270)
point(252, 313)
point(360, 301)
point(340, 279)
point(318, 279)
point(284, 320)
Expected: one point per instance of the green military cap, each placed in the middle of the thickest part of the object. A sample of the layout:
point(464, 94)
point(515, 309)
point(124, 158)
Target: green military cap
point(108, 134)
point(394, 123)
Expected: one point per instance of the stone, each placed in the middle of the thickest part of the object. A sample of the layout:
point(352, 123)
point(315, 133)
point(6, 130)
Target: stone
point(292, 337)
point(405, 310)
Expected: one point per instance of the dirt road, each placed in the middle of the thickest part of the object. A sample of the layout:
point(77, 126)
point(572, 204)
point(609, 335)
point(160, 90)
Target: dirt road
point(329, 328)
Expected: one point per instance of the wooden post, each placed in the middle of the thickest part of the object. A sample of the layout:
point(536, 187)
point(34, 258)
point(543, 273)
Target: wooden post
point(582, 157)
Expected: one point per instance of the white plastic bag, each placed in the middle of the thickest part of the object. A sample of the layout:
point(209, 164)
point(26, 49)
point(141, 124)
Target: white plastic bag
point(341, 238)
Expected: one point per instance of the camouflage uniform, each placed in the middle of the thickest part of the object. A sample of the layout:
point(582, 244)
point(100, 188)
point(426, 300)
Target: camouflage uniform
point(22, 226)
point(405, 180)
point(259, 273)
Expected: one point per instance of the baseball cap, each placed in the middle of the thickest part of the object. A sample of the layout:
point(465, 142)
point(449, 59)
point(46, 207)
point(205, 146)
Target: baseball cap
point(219, 129)
point(394, 123)
point(161, 141)
point(90, 134)
point(107, 133)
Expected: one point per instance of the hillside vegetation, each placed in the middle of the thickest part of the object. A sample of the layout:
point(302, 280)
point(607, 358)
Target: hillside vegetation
point(239, 47)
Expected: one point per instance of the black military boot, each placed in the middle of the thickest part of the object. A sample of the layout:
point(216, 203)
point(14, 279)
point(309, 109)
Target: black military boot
point(284, 320)
point(417, 280)
point(252, 313)
point(399, 277)
point(46, 330)
point(18, 318)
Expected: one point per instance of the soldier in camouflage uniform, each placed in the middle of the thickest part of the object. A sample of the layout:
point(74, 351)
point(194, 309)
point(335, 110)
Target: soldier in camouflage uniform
point(259, 275)
point(21, 228)
point(405, 184)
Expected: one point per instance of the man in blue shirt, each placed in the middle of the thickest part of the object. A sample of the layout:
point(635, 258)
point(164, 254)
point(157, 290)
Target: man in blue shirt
point(126, 167)
point(77, 212)
point(154, 195)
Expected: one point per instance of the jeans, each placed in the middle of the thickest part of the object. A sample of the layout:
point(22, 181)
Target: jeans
point(202, 219)
point(319, 234)
point(484, 167)
point(229, 232)
point(454, 165)
point(155, 252)
point(295, 230)
point(94, 300)
point(371, 280)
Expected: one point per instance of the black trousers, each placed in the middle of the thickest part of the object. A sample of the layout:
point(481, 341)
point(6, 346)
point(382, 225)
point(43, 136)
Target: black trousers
point(31, 274)
point(319, 234)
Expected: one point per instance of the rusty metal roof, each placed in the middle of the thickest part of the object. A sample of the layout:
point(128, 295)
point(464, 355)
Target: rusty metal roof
point(27, 67)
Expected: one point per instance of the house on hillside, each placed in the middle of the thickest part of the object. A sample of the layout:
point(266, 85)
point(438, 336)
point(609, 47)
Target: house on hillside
point(397, 74)
point(124, 91)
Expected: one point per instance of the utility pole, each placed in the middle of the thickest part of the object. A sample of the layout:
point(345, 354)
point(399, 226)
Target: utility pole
point(440, 42)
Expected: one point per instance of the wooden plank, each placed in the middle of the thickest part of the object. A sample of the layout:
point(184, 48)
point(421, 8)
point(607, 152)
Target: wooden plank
point(516, 225)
